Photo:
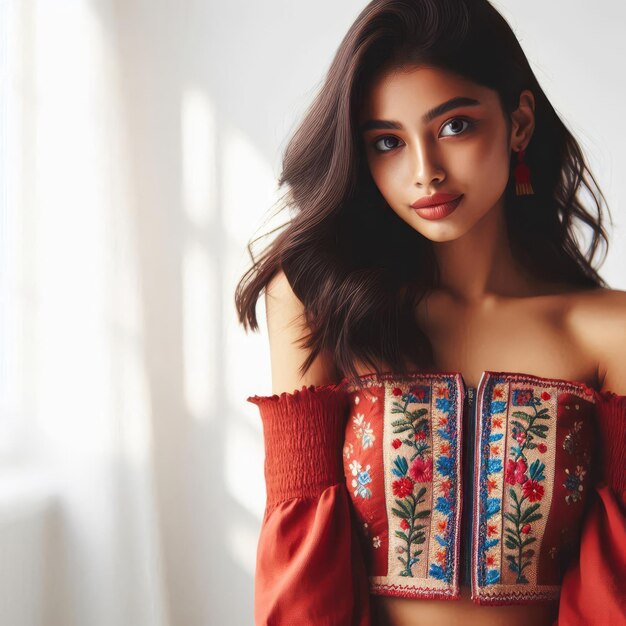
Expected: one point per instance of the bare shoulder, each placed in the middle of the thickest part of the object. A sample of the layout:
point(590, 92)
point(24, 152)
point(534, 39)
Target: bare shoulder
point(287, 330)
point(597, 318)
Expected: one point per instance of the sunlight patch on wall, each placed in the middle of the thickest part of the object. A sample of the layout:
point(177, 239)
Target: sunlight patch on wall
point(243, 459)
point(199, 263)
point(198, 157)
point(199, 330)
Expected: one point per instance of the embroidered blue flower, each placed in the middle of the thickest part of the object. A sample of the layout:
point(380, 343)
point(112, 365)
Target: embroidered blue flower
point(436, 571)
point(445, 466)
point(443, 505)
point(445, 405)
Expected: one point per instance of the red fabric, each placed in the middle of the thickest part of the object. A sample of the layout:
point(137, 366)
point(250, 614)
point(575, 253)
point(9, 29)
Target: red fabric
point(593, 590)
point(310, 570)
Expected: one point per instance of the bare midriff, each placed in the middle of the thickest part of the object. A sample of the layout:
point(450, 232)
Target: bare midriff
point(392, 611)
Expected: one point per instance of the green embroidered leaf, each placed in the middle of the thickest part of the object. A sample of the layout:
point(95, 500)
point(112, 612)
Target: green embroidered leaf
point(416, 554)
point(401, 535)
point(422, 514)
point(528, 541)
point(404, 507)
point(415, 415)
point(544, 428)
point(511, 517)
point(521, 415)
point(402, 560)
point(511, 544)
point(533, 518)
point(420, 493)
point(513, 495)
point(422, 539)
point(543, 414)
point(528, 511)
point(401, 429)
point(538, 431)
point(401, 514)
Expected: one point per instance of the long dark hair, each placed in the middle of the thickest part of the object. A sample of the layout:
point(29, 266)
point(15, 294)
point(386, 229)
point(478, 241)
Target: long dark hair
point(359, 269)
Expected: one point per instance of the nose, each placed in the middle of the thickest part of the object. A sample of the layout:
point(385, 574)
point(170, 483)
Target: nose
point(426, 166)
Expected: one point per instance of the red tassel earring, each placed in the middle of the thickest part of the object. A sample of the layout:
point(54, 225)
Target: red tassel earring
point(522, 176)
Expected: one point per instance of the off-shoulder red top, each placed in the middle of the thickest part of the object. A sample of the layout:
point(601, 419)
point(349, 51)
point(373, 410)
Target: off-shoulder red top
point(366, 487)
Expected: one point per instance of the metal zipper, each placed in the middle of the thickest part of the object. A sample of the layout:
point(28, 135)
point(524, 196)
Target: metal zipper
point(470, 491)
point(468, 494)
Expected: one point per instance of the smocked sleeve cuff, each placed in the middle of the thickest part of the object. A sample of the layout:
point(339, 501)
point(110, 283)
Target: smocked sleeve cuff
point(303, 433)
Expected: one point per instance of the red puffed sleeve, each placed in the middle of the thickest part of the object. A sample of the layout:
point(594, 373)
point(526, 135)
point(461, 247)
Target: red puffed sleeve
point(309, 568)
point(593, 591)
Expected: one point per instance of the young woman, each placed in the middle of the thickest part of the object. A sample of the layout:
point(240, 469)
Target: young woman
point(448, 417)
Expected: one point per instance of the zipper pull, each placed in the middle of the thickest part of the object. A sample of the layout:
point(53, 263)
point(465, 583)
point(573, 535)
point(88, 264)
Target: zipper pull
point(470, 395)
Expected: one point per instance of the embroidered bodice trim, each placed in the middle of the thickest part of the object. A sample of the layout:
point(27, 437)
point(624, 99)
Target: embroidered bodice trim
point(525, 476)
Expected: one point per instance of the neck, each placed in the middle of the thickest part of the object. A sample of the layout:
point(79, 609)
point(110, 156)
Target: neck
point(480, 265)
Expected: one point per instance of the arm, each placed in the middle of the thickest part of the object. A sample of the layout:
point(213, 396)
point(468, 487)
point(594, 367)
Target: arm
point(309, 569)
point(594, 589)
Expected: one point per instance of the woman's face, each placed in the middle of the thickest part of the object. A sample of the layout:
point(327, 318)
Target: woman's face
point(414, 150)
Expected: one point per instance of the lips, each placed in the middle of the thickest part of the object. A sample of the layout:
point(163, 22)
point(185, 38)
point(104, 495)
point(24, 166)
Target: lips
point(439, 211)
point(435, 200)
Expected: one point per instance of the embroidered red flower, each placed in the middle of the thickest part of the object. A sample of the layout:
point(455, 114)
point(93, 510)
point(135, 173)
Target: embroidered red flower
point(443, 392)
point(404, 524)
point(402, 487)
point(521, 437)
point(515, 472)
point(542, 447)
point(491, 485)
point(441, 556)
point(396, 443)
point(418, 392)
point(444, 448)
point(496, 422)
point(545, 396)
point(441, 525)
point(445, 485)
point(492, 529)
point(397, 391)
point(421, 470)
point(532, 490)
point(526, 528)
point(490, 559)
point(498, 393)
point(420, 435)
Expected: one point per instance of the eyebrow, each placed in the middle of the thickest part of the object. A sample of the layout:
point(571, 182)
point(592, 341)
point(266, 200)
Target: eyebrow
point(440, 109)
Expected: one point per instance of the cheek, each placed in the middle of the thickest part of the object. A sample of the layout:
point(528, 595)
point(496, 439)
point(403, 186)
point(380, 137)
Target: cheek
point(388, 178)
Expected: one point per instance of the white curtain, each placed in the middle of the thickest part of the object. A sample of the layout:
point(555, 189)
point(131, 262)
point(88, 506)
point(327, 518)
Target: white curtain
point(131, 484)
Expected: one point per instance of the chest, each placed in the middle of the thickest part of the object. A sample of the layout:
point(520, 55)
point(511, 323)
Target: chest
point(510, 335)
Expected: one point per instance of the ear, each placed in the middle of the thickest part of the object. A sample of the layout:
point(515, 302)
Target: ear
point(523, 121)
